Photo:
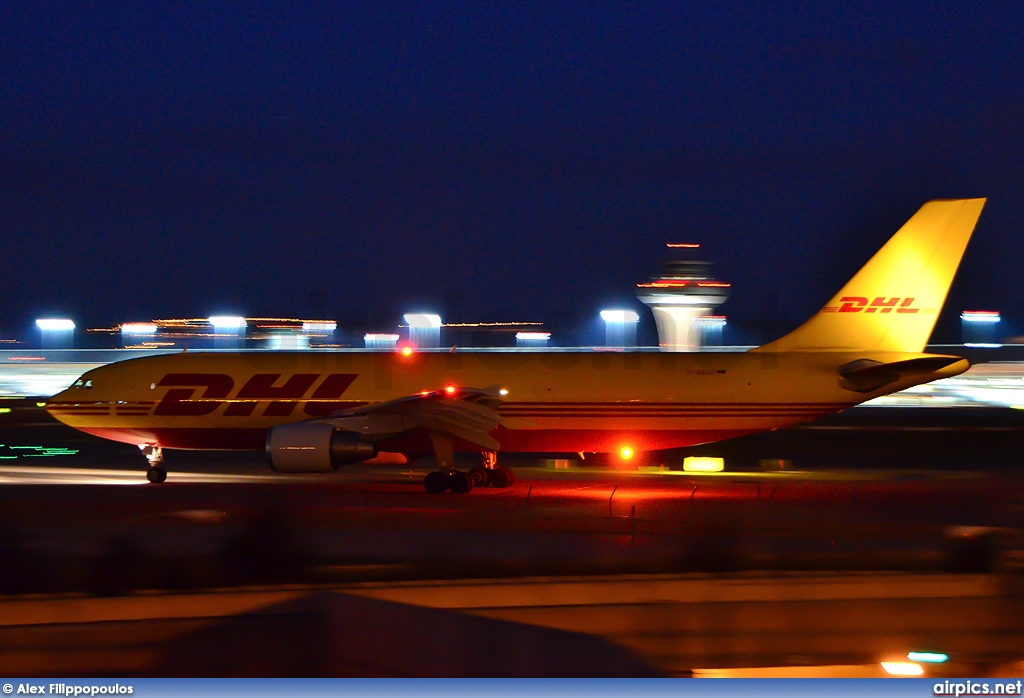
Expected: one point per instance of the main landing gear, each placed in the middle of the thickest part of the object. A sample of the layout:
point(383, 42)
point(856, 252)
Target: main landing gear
point(458, 482)
point(155, 455)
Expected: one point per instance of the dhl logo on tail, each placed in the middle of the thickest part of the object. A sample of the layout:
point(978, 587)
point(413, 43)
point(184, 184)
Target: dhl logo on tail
point(914, 268)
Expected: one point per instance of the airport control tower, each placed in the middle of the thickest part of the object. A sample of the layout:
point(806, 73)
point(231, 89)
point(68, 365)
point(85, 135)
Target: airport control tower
point(682, 299)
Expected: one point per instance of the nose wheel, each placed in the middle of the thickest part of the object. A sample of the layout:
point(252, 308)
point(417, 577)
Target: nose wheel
point(155, 473)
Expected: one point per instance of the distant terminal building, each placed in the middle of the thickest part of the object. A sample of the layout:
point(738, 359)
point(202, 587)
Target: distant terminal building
point(498, 334)
point(532, 339)
point(979, 327)
point(424, 329)
point(620, 328)
point(682, 298)
point(427, 331)
point(421, 331)
point(56, 333)
point(380, 341)
point(223, 332)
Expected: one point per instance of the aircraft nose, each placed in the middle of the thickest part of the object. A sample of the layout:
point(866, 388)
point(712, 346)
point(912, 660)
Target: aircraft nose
point(58, 403)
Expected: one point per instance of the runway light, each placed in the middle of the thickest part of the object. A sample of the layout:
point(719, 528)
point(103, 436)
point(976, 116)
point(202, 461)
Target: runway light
point(903, 668)
point(376, 340)
point(930, 657)
point(319, 326)
point(703, 464)
point(55, 324)
point(980, 316)
point(138, 328)
point(227, 321)
point(619, 316)
point(423, 320)
point(625, 453)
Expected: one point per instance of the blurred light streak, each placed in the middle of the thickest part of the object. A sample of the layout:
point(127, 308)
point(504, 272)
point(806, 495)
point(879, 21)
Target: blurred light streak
point(703, 464)
point(903, 668)
point(619, 316)
point(55, 324)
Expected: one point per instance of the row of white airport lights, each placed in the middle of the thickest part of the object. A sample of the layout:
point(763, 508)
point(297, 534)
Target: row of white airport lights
point(424, 329)
point(219, 322)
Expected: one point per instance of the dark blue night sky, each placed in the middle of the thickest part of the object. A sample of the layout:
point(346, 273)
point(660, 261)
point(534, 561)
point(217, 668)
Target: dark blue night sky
point(182, 159)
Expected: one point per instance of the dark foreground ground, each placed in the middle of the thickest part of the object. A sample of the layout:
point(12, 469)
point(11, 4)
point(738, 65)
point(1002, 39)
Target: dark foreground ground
point(881, 531)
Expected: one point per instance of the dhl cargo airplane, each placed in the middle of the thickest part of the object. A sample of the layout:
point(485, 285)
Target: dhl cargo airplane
point(314, 412)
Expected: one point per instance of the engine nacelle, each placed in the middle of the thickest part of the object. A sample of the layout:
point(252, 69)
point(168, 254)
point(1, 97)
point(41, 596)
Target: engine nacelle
point(314, 448)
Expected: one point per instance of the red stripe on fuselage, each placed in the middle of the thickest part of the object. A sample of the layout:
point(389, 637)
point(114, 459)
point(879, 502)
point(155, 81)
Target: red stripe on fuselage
point(518, 440)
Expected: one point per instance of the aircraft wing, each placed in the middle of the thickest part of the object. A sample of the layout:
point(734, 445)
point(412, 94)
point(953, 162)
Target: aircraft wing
point(465, 413)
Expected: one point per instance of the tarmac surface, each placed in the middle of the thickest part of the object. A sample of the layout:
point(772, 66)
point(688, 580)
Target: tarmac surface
point(67, 494)
point(632, 566)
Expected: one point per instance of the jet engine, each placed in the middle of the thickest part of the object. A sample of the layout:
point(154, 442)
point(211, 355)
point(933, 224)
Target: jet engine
point(314, 448)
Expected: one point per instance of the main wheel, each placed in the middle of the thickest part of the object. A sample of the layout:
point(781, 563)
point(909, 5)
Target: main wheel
point(436, 482)
point(156, 475)
point(502, 477)
point(480, 476)
point(460, 483)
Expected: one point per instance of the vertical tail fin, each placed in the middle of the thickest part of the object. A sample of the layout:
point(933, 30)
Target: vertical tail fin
point(892, 303)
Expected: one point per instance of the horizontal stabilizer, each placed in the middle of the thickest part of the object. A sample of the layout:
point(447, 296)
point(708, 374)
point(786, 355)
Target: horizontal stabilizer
point(866, 375)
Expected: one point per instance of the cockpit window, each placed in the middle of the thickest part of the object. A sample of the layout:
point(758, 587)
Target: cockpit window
point(82, 383)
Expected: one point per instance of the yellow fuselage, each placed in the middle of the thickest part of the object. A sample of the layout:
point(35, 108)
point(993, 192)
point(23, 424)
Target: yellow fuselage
point(555, 401)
